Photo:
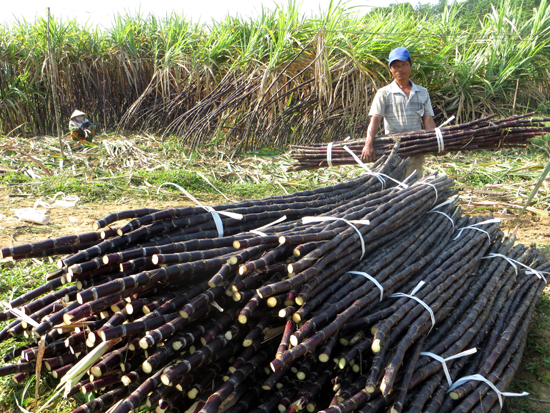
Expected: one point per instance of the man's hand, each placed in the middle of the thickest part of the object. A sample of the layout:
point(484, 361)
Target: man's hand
point(368, 154)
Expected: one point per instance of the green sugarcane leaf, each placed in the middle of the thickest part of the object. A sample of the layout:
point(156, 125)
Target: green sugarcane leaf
point(534, 191)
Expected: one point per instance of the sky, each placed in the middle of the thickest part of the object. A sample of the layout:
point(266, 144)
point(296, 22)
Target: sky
point(101, 12)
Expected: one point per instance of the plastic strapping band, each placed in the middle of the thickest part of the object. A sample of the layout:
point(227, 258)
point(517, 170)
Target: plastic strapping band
point(515, 264)
point(20, 315)
point(440, 142)
point(419, 301)
point(307, 220)
point(433, 186)
point(479, 377)
point(260, 233)
point(439, 135)
point(489, 221)
point(329, 154)
point(447, 202)
point(377, 175)
point(371, 278)
point(445, 215)
point(444, 361)
point(215, 214)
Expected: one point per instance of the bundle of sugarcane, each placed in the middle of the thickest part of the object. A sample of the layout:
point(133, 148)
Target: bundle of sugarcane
point(168, 311)
point(485, 133)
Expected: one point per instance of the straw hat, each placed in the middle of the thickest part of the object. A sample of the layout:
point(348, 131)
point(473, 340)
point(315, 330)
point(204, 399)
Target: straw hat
point(77, 113)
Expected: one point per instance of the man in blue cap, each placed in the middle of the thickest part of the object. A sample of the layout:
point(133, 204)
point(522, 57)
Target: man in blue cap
point(403, 105)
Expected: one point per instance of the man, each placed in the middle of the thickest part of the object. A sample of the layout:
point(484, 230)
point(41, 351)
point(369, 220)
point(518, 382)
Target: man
point(81, 128)
point(404, 107)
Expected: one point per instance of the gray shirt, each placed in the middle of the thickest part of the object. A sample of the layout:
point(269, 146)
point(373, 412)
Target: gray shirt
point(402, 114)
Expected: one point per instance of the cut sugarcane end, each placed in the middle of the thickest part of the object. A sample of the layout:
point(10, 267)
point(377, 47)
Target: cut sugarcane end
point(301, 375)
point(247, 343)
point(96, 371)
point(143, 343)
point(344, 341)
point(376, 345)
point(356, 368)
point(340, 399)
point(242, 319)
point(233, 370)
point(394, 410)
point(105, 260)
point(192, 394)
point(342, 363)
point(165, 380)
point(454, 395)
point(281, 408)
point(155, 259)
point(299, 300)
point(279, 386)
point(296, 318)
point(184, 314)
point(370, 389)
point(236, 244)
point(290, 268)
point(233, 260)
point(266, 387)
point(126, 380)
point(324, 358)
point(296, 252)
point(282, 313)
point(67, 318)
point(242, 270)
point(272, 302)
point(294, 340)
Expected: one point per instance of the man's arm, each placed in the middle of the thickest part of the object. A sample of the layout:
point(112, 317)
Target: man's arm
point(369, 154)
point(428, 122)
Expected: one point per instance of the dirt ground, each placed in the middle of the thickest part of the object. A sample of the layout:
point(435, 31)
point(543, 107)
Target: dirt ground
point(79, 219)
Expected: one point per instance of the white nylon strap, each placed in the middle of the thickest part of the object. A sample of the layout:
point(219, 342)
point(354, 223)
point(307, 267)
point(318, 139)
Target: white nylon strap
point(215, 214)
point(439, 135)
point(329, 154)
point(371, 278)
point(262, 234)
point(307, 220)
point(433, 186)
point(479, 377)
point(445, 215)
point(20, 314)
point(473, 226)
point(515, 264)
point(377, 175)
point(419, 301)
point(444, 361)
point(447, 202)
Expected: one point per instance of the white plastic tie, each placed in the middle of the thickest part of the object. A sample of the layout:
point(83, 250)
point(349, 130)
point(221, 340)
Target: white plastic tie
point(329, 154)
point(440, 141)
point(515, 264)
point(377, 175)
point(439, 135)
point(374, 281)
point(474, 226)
point(215, 214)
point(479, 377)
point(433, 186)
point(20, 314)
point(419, 301)
point(259, 232)
point(445, 215)
point(307, 220)
point(447, 202)
point(444, 361)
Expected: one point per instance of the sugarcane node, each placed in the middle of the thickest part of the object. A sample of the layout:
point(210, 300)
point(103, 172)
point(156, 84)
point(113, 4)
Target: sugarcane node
point(376, 345)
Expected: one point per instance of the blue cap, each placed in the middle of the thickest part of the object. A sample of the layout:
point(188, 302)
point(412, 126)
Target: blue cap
point(399, 53)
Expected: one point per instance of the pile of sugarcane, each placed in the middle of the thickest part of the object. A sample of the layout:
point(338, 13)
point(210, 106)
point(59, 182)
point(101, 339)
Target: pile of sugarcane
point(364, 298)
point(485, 133)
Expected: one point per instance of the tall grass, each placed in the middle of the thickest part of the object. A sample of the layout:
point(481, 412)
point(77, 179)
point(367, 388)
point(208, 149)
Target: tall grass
point(276, 79)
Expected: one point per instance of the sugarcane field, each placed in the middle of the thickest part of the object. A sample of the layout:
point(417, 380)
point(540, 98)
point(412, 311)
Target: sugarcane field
point(312, 206)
